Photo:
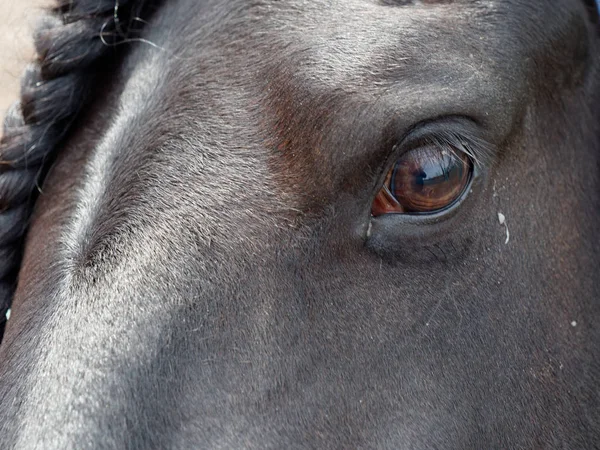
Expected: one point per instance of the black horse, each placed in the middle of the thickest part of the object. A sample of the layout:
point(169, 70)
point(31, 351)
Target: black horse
point(304, 224)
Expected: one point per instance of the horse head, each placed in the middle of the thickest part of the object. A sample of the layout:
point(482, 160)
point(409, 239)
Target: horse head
point(304, 224)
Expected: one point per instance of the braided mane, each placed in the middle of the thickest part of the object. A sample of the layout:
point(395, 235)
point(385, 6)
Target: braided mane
point(72, 39)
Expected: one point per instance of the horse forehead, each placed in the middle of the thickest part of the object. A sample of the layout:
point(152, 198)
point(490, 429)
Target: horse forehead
point(469, 52)
point(357, 44)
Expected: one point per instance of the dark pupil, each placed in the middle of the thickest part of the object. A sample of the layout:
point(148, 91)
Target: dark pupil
point(427, 180)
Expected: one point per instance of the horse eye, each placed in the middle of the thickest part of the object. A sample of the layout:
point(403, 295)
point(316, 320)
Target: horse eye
point(424, 180)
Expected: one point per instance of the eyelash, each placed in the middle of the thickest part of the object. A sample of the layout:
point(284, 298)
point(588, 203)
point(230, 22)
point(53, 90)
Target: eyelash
point(479, 150)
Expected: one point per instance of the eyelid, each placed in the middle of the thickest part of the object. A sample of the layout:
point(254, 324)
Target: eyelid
point(453, 133)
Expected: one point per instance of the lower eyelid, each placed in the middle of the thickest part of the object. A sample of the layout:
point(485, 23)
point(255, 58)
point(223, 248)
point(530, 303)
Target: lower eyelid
point(395, 234)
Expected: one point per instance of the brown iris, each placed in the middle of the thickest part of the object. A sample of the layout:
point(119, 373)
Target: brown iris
point(424, 180)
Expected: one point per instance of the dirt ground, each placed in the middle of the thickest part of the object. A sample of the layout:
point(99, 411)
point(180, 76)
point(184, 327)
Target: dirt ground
point(17, 19)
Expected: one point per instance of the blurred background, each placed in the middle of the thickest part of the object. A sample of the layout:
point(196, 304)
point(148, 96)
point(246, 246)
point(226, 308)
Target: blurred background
point(17, 20)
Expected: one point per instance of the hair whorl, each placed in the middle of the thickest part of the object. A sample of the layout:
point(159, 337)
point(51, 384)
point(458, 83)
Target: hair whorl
point(73, 37)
